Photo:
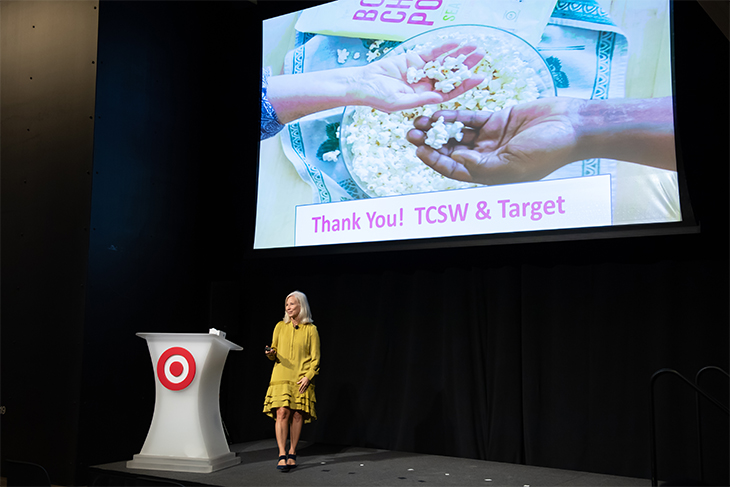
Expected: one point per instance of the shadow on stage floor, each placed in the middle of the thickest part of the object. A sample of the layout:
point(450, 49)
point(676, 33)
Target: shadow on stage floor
point(328, 465)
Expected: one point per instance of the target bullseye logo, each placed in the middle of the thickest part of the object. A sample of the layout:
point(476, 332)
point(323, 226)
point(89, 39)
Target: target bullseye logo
point(176, 368)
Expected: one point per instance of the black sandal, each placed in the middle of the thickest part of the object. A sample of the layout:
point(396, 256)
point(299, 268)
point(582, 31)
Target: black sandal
point(292, 457)
point(283, 468)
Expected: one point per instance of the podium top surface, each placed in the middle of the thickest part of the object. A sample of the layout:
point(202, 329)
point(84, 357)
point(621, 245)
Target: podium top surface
point(187, 337)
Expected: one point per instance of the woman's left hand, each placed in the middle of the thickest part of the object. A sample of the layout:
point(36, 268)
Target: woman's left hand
point(303, 384)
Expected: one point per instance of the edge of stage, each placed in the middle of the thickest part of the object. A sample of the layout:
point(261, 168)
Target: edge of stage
point(333, 465)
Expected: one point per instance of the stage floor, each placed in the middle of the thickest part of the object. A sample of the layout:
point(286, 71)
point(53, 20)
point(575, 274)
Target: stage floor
point(328, 465)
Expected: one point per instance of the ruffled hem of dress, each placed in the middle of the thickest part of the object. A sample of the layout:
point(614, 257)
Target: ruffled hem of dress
point(286, 394)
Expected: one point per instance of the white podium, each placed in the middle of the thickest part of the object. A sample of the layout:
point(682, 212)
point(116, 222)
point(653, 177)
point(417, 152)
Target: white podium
point(186, 434)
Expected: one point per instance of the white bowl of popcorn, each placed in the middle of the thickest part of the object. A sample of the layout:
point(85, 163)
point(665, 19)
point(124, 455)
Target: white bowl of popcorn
point(373, 143)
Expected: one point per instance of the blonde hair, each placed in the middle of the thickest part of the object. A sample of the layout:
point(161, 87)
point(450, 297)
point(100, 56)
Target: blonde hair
point(305, 315)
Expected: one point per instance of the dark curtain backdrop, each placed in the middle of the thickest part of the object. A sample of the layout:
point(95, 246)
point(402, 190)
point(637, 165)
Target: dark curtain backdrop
point(543, 364)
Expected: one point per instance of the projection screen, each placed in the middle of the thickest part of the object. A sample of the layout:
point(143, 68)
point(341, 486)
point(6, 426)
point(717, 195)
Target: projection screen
point(414, 120)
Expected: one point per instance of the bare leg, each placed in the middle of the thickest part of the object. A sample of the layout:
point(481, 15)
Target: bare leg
point(282, 430)
point(295, 430)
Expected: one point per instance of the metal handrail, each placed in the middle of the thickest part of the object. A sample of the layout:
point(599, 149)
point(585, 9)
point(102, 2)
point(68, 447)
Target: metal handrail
point(653, 419)
point(699, 416)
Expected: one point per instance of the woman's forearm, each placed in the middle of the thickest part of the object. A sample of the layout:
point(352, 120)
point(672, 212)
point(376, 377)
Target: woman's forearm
point(296, 95)
point(634, 130)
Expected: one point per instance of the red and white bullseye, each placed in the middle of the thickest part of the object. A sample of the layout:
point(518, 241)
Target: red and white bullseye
point(176, 368)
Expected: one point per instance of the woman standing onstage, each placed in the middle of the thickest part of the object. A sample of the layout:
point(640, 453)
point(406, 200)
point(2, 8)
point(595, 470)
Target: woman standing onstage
point(290, 399)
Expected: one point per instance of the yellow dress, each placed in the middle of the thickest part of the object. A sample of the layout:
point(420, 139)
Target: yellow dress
point(297, 355)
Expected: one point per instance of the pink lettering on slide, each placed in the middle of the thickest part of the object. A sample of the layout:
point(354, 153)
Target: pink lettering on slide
point(442, 213)
point(534, 209)
point(428, 4)
point(419, 18)
point(369, 15)
point(406, 4)
point(323, 225)
point(380, 221)
point(400, 17)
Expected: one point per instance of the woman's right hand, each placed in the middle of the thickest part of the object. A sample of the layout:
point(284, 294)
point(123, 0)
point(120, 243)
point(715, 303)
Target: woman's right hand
point(523, 143)
point(531, 140)
point(269, 351)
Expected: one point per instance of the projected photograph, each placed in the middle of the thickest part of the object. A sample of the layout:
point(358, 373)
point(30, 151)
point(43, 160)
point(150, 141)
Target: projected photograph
point(386, 120)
